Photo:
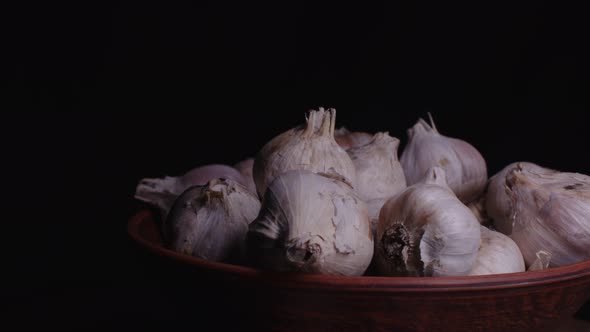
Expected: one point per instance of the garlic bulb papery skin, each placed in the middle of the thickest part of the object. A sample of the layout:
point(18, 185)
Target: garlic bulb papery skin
point(550, 212)
point(350, 139)
point(309, 147)
point(161, 192)
point(311, 223)
point(497, 254)
point(426, 231)
point(498, 204)
point(541, 262)
point(246, 167)
point(465, 167)
point(211, 221)
point(379, 173)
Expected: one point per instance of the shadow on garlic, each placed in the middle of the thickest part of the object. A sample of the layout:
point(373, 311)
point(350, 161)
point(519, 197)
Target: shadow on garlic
point(211, 222)
point(497, 254)
point(350, 139)
point(246, 168)
point(161, 192)
point(311, 223)
point(308, 147)
point(426, 231)
point(464, 166)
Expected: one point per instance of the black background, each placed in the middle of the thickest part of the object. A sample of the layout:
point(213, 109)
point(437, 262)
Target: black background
point(98, 95)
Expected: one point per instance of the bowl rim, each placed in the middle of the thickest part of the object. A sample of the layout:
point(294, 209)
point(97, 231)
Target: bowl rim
point(577, 271)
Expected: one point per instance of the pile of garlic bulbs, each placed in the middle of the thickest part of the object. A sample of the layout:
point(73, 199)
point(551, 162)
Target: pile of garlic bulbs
point(316, 199)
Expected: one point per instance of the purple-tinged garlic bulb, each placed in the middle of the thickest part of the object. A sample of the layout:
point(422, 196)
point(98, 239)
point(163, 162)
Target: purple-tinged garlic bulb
point(464, 165)
point(161, 192)
point(211, 221)
point(426, 231)
point(498, 204)
point(550, 212)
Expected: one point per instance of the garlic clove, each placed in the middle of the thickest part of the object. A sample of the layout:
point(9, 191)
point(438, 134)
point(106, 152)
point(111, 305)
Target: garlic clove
point(161, 192)
point(379, 173)
point(550, 211)
point(426, 231)
point(307, 147)
point(347, 139)
point(498, 204)
point(245, 167)
point(497, 254)
point(311, 223)
point(211, 221)
point(464, 166)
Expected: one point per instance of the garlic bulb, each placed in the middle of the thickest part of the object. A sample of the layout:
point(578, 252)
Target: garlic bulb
point(497, 202)
point(163, 191)
point(211, 221)
point(465, 167)
point(497, 254)
point(379, 173)
point(426, 231)
point(245, 167)
point(311, 223)
point(310, 147)
point(347, 139)
point(550, 211)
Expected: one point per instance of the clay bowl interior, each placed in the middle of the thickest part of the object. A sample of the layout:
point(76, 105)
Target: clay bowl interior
point(293, 302)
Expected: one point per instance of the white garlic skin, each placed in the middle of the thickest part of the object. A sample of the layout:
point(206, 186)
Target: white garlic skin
point(311, 223)
point(379, 172)
point(211, 222)
point(161, 192)
point(307, 147)
point(497, 254)
point(465, 167)
point(426, 231)
point(246, 168)
point(497, 201)
point(350, 139)
point(550, 212)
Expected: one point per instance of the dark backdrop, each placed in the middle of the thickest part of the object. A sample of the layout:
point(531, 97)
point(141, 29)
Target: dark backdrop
point(100, 94)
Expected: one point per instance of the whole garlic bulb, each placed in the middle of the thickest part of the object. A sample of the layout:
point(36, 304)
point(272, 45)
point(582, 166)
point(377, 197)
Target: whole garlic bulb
point(426, 231)
point(161, 192)
point(379, 173)
point(211, 221)
point(350, 139)
point(550, 211)
point(498, 204)
point(464, 165)
point(307, 147)
point(497, 254)
point(246, 167)
point(311, 223)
